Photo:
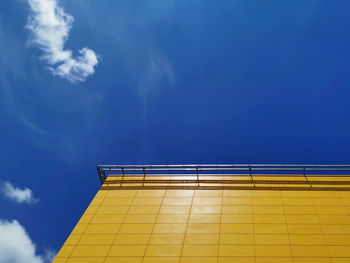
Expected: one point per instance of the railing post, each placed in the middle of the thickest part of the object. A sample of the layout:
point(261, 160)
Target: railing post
point(122, 177)
point(99, 175)
point(144, 176)
point(304, 168)
point(104, 175)
point(251, 176)
point(197, 176)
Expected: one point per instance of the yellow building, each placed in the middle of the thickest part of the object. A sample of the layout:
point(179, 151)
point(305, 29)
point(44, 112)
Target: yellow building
point(215, 214)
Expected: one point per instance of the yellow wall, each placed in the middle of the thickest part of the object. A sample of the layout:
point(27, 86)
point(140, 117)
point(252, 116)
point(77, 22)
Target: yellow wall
point(209, 226)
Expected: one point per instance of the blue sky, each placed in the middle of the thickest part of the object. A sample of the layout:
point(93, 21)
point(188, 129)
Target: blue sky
point(177, 81)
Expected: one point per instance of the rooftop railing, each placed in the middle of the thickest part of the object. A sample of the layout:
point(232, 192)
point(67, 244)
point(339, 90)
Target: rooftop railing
point(226, 176)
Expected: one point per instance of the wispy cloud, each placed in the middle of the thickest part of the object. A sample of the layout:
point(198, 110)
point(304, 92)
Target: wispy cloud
point(157, 76)
point(18, 195)
point(50, 27)
point(16, 245)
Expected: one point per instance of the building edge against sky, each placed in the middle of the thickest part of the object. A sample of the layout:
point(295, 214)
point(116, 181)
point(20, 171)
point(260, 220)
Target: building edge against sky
point(215, 213)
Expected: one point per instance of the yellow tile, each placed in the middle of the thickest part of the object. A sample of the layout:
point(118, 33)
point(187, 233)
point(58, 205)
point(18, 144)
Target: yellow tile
point(161, 260)
point(112, 210)
point(85, 219)
point(297, 201)
point(177, 201)
point(346, 201)
point(236, 259)
point(65, 251)
point(207, 201)
point(91, 210)
point(236, 251)
point(202, 239)
point(344, 194)
point(174, 219)
point(328, 201)
point(208, 193)
point(96, 240)
point(327, 194)
point(102, 229)
point(198, 260)
point(339, 251)
point(203, 228)
point(79, 229)
point(237, 239)
point(340, 260)
point(336, 229)
point(273, 260)
point(102, 219)
point(269, 219)
point(331, 210)
point(200, 250)
point(312, 260)
point(179, 193)
point(286, 193)
point(231, 218)
point(237, 201)
point(90, 251)
point(268, 210)
point(146, 219)
point(300, 210)
point(163, 250)
point(272, 251)
point(167, 239)
point(96, 201)
point(127, 251)
point(150, 193)
point(302, 219)
point(267, 193)
point(145, 209)
point(102, 193)
point(307, 239)
point(202, 218)
point(337, 240)
point(129, 239)
point(117, 201)
point(136, 228)
point(86, 260)
point(267, 201)
point(123, 260)
point(72, 240)
point(271, 239)
point(270, 228)
point(304, 229)
point(169, 228)
point(60, 260)
point(231, 209)
point(237, 193)
point(236, 228)
point(309, 251)
point(179, 209)
point(121, 193)
point(332, 219)
point(206, 209)
point(147, 201)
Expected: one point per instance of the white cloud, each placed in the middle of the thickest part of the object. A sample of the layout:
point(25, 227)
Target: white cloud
point(49, 255)
point(16, 246)
point(18, 195)
point(50, 27)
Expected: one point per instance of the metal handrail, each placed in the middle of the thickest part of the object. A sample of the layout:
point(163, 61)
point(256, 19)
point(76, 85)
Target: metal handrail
point(252, 170)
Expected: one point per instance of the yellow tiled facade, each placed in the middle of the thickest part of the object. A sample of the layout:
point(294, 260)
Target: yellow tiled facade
point(212, 226)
